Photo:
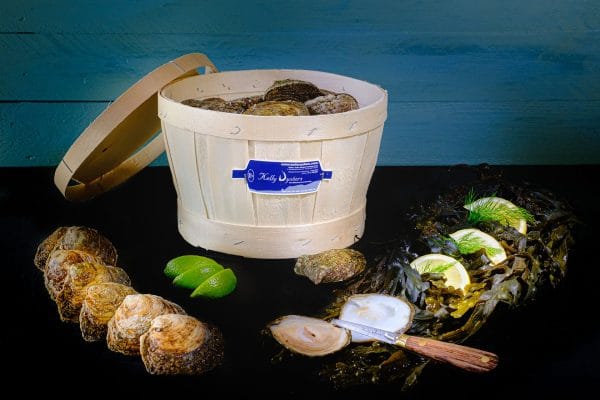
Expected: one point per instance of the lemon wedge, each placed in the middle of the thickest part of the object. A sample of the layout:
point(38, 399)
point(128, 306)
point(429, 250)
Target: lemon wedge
point(501, 210)
point(472, 240)
point(455, 273)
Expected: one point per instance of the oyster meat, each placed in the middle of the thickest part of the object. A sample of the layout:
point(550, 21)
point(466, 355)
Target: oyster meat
point(332, 104)
point(133, 318)
point(178, 344)
point(380, 311)
point(78, 277)
point(292, 89)
point(278, 108)
point(76, 238)
point(334, 265)
point(99, 305)
point(308, 336)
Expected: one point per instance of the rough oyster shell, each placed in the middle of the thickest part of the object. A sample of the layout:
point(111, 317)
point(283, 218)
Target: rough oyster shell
point(58, 265)
point(334, 265)
point(332, 104)
point(133, 318)
point(99, 305)
point(181, 345)
point(280, 108)
point(291, 89)
point(76, 238)
point(78, 277)
point(216, 104)
point(246, 102)
point(308, 336)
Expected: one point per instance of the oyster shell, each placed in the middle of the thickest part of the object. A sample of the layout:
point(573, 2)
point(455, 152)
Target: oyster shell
point(76, 238)
point(381, 311)
point(281, 108)
point(77, 279)
point(216, 104)
point(58, 265)
point(332, 104)
point(181, 345)
point(246, 102)
point(334, 265)
point(308, 336)
point(133, 318)
point(291, 89)
point(99, 305)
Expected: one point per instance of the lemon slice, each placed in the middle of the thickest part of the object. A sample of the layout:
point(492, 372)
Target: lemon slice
point(181, 264)
point(501, 210)
point(472, 240)
point(455, 273)
point(218, 285)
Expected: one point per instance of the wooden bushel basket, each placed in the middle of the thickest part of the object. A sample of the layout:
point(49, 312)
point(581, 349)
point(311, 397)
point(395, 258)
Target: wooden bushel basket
point(218, 208)
point(218, 212)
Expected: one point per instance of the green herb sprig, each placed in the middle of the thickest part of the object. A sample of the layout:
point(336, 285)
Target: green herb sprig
point(493, 211)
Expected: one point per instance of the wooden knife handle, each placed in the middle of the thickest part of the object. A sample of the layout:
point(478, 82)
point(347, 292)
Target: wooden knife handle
point(464, 357)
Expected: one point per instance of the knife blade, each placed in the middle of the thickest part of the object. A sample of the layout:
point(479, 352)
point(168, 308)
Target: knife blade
point(467, 358)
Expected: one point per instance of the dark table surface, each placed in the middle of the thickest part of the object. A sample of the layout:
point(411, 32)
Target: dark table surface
point(547, 347)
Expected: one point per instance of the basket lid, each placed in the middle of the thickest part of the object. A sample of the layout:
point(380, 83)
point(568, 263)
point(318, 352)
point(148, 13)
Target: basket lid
point(125, 137)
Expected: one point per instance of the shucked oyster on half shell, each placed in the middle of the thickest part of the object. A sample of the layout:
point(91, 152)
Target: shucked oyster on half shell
point(76, 238)
point(99, 305)
point(79, 277)
point(292, 89)
point(308, 336)
point(178, 344)
point(380, 311)
point(334, 265)
point(133, 318)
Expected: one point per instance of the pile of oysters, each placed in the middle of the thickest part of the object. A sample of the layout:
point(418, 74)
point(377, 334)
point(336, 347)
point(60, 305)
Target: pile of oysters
point(286, 97)
point(79, 273)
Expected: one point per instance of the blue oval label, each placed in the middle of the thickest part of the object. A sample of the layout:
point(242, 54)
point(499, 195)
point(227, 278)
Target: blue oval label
point(282, 177)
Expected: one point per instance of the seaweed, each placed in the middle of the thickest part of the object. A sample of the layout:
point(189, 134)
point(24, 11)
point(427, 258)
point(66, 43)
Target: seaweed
point(535, 261)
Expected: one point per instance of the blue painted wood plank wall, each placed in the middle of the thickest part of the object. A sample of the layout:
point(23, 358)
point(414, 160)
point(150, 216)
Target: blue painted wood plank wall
point(496, 81)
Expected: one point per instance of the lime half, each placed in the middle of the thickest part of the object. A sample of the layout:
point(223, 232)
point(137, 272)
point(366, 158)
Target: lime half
point(194, 276)
point(455, 273)
point(181, 264)
point(472, 240)
point(218, 285)
point(501, 210)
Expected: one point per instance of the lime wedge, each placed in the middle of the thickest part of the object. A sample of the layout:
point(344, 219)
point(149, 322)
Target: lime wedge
point(181, 264)
point(220, 284)
point(194, 276)
point(501, 210)
point(472, 240)
point(455, 273)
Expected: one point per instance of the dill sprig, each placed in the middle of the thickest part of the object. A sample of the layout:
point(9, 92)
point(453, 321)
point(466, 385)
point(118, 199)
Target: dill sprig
point(470, 243)
point(437, 269)
point(494, 211)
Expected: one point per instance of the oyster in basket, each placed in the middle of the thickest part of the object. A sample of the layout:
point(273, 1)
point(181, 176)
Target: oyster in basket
point(216, 104)
point(291, 89)
point(178, 344)
point(281, 108)
point(99, 305)
point(133, 318)
point(334, 265)
point(332, 104)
